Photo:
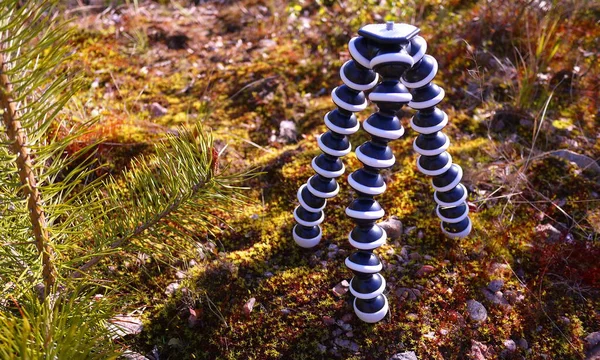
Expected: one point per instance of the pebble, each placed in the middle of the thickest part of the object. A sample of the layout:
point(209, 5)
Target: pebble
point(495, 297)
point(328, 320)
point(347, 344)
point(479, 351)
point(414, 256)
point(408, 294)
point(287, 132)
point(322, 348)
point(341, 288)
point(409, 230)
point(592, 339)
point(130, 355)
point(510, 345)
point(285, 311)
point(522, 343)
point(157, 110)
point(412, 317)
point(180, 275)
point(249, 306)
point(408, 355)
point(551, 233)
point(347, 317)
point(171, 288)
point(476, 310)
point(514, 297)
point(123, 325)
point(495, 285)
point(343, 325)
point(424, 270)
point(392, 227)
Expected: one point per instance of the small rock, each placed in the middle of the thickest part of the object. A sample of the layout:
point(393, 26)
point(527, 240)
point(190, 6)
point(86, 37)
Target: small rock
point(424, 270)
point(341, 288)
point(249, 305)
point(285, 311)
point(122, 325)
point(583, 161)
point(408, 355)
point(526, 123)
point(322, 348)
point(180, 275)
point(513, 297)
point(268, 274)
point(287, 132)
point(414, 256)
point(267, 43)
point(412, 317)
point(130, 355)
point(175, 343)
point(564, 320)
point(476, 310)
point(495, 297)
point(328, 320)
point(551, 233)
point(409, 230)
point(420, 234)
point(592, 339)
point(392, 227)
point(479, 351)
point(346, 344)
point(157, 110)
point(522, 343)
point(495, 285)
point(343, 325)
point(510, 345)
point(408, 294)
point(347, 317)
point(171, 288)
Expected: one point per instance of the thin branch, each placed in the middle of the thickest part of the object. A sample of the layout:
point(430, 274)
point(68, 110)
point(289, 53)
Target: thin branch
point(140, 229)
point(16, 134)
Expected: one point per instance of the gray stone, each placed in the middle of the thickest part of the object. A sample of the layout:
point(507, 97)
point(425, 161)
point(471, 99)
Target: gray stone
point(130, 355)
point(496, 298)
point(123, 325)
point(584, 162)
point(408, 355)
point(476, 310)
point(551, 233)
point(510, 345)
point(287, 132)
point(592, 339)
point(392, 227)
point(479, 351)
point(157, 110)
point(171, 288)
point(341, 288)
point(496, 285)
point(522, 343)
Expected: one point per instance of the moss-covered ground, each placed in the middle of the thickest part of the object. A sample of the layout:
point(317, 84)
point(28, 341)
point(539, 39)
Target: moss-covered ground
point(521, 80)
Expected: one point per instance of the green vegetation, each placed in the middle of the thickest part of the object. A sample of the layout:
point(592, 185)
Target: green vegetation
point(130, 140)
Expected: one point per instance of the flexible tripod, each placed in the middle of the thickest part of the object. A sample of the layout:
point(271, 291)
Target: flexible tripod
point(390, 59)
